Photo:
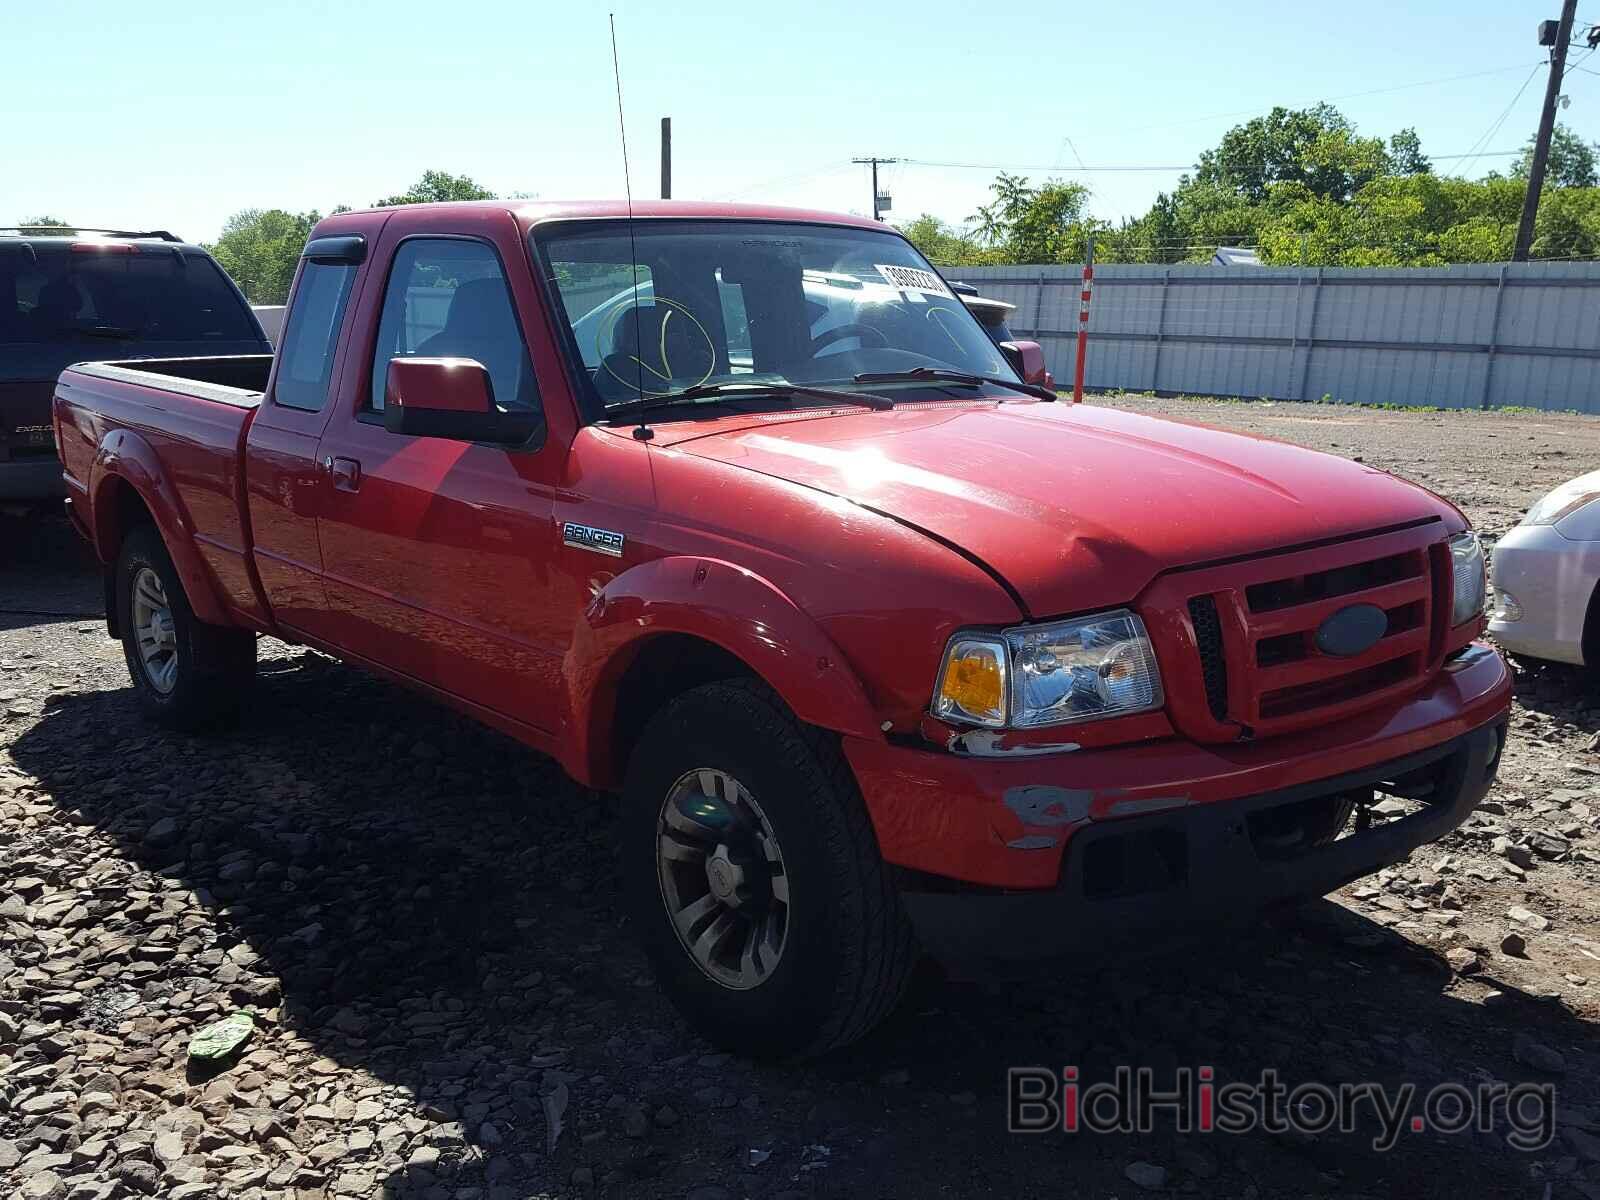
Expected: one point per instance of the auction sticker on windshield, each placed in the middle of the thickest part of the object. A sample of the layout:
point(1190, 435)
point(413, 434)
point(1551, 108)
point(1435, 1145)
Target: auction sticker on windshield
point(912, 279)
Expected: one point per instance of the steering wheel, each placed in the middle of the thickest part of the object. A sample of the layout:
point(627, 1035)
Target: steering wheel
point(854, 329)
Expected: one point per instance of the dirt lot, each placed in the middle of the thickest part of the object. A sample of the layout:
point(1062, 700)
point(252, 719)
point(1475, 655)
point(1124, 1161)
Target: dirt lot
point(423, 916)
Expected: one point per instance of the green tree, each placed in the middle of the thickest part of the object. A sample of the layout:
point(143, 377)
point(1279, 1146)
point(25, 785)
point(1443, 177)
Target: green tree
point(1571, 163)
point(51, 223)
point(1316, 147)
point(1405, 154)
point(260, 248)
point(944, 244)
point(438, 185)
point(1567, 224)
point(1405, 221)
point(1027, 224)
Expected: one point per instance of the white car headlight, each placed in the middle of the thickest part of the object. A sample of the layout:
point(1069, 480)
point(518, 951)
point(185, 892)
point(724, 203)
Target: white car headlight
point(1562, 502)
point(1469, 582)
point(1084, 669)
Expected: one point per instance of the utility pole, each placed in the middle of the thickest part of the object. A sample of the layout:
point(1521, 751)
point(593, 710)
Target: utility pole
point(666, 158)
point(1547, 121)
point(880, 201)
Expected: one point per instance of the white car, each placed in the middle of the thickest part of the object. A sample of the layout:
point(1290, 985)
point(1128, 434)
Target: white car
point(1546, 576)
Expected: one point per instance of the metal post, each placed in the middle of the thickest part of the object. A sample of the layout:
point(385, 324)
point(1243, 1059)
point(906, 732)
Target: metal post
point(1311, 337)
point(1161, 329)
point(1294, 332)
point(1083, 318)
point(1494, 338)
point(666, 158)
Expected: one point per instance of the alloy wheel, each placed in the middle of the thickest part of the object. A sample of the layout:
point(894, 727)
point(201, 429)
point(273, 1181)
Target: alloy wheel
point(722, 878)
point(154, 631)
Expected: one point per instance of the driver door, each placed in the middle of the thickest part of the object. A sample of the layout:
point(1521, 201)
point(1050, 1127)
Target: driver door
point(437, 553)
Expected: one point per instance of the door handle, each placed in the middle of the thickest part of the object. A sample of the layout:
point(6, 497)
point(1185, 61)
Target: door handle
point(346, 473)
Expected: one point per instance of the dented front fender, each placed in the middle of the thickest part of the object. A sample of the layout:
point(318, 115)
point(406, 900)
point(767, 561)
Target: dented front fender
point(725, 605)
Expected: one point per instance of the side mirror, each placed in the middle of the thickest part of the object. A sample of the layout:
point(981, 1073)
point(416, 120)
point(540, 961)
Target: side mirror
point(1028, 360)
point(449, 398)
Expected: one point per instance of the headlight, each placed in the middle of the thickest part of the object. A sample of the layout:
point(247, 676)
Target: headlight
point(972, 681)
point(1466, 566)
point(1084, 669)
point(1562, 502)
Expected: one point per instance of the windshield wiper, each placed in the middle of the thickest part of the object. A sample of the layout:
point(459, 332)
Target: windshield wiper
point(739, 391)
point(941, 375)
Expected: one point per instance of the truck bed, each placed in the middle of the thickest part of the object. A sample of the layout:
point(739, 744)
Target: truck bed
point(238, 379)
point(181, 419)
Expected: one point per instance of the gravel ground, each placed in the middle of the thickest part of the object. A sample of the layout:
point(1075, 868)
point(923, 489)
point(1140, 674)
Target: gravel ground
point(423, 917)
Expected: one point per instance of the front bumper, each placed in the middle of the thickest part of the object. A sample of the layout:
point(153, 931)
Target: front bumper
point(1212, 870)
point(1552, 580)
point(994, 848)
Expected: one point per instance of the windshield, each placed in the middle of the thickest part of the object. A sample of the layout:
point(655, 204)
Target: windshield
point(755, 303)
point(160, 294)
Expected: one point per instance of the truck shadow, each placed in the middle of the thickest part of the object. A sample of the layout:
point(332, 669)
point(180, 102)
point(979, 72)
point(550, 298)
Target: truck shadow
point(415, 897)
point(49, 572)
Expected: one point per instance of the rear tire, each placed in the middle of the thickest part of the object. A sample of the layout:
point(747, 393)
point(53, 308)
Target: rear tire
point(186, 674)
point(775, 874)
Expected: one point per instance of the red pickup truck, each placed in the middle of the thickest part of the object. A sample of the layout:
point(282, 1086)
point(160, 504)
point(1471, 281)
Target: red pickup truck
point(738, 511)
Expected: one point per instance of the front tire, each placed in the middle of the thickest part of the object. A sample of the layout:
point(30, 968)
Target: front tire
point(753, 878)
point(187, 675)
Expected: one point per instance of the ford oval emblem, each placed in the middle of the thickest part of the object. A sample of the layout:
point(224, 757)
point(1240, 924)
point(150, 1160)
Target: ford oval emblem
point(1352, 630)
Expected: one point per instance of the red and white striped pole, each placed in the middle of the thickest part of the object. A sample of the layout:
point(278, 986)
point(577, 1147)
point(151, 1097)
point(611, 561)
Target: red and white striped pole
point(1083, 319)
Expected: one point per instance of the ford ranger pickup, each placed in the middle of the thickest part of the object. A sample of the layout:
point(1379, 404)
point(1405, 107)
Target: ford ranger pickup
point(738, 512)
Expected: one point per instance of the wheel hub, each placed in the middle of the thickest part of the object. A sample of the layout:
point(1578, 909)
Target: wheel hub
point(722, 878)
point(154, 630)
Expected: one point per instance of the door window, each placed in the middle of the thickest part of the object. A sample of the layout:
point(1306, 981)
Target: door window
point(311, 335)
point(447, 298)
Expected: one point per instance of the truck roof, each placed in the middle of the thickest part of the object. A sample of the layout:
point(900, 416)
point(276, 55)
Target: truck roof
point(533, 212)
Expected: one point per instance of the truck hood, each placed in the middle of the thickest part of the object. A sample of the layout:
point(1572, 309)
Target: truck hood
point(1075, 507)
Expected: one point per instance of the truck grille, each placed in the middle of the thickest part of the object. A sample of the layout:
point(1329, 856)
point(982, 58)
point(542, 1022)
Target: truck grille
point(1252, 633)
point(1213, 664)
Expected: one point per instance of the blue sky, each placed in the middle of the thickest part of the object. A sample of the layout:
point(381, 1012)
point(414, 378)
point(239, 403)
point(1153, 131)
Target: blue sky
point(177, 114)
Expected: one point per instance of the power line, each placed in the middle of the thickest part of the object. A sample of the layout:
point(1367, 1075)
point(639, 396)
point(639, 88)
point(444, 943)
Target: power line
point(993, 166)
point(1583, 58)
point(983, 166)
point(1068, 142)
point(1399, 87)
point(1483, 139)
point(820, 169)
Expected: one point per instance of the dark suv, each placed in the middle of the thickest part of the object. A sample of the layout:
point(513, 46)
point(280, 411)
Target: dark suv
point(992, 315)
point(71, 295)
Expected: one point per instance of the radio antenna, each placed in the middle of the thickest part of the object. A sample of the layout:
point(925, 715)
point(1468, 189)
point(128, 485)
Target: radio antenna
point(643, 431)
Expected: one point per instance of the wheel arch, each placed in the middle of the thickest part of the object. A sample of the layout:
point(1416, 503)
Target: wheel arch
point(675, 623)
point(1590, 648)
point(129, 486)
